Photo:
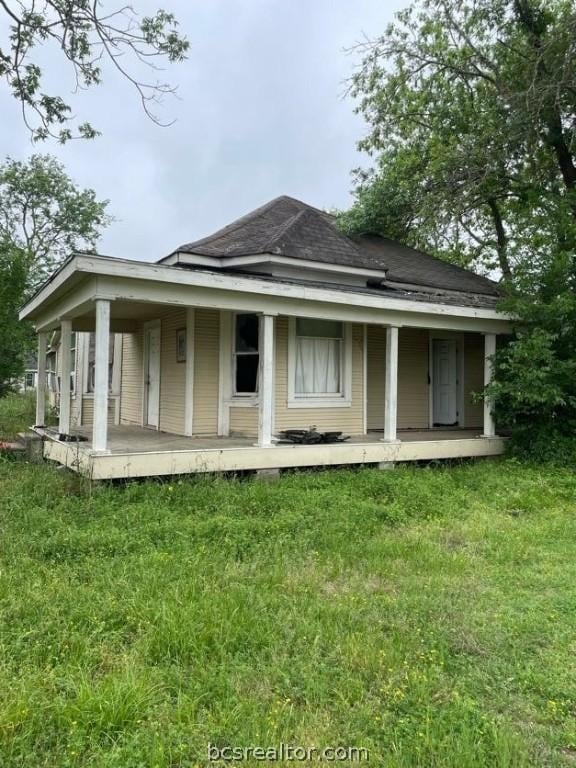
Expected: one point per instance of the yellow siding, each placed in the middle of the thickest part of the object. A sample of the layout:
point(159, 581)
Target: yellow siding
point(413, 363)
point(349, 420)
point(413, 408)
point(88, 410)
point(132, 378)
point(473, 378)
point(172, 373)
point(206, 362)
point(244, 421)
point(413, 403)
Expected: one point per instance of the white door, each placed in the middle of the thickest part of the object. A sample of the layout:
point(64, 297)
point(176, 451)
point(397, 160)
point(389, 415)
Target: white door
point(444, 382)
point(152, 376)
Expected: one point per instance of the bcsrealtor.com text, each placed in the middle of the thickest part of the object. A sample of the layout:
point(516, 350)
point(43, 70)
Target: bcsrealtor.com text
point(287, 753)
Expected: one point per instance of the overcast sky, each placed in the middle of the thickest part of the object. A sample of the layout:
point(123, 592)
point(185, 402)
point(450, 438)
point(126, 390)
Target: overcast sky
point(260, 112)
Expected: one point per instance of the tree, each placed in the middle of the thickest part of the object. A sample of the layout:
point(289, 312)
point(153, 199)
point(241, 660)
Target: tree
point(14, 336)
point(44, 216)
point(471, 108)
point(535, 382)
point(87, 37)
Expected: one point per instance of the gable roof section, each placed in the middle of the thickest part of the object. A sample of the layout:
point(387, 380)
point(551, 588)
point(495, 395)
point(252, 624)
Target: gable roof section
point(292, 229)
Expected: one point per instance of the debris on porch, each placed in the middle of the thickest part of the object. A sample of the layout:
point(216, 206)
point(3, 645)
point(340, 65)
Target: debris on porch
point(311, 436)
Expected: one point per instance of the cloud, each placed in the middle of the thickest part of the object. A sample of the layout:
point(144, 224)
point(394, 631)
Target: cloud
point(260, 112)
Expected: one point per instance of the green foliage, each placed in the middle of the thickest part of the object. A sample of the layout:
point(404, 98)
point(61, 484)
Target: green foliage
point(535, 383)
point(87, 37)
point(45, 216)
point(424, 615)
point(18, 412)
point(14, 336)
point(471, 111)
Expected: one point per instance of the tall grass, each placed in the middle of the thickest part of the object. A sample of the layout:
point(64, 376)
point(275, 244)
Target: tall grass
point(17, 413)
point(427, 616)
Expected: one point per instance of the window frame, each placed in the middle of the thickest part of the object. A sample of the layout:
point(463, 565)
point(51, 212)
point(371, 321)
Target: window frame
point(321, 400)
point(114, 363)
point(248, 398)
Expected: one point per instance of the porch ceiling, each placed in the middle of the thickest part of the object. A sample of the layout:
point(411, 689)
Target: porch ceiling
point(124, 316)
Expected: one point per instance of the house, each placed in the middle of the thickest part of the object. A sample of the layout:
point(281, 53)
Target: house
point(29, 380)
point(279, 321)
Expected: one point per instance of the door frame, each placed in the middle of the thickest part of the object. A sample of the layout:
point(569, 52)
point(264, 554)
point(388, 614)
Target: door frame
point(147, 326)
point(459, 339)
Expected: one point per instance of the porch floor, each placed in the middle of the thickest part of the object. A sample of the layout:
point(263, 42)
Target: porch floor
point(138, 452)
point(133, 439)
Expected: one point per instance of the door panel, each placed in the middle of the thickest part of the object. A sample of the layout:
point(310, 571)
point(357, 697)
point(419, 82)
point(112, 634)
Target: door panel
point(444, 382)
point(152, 374)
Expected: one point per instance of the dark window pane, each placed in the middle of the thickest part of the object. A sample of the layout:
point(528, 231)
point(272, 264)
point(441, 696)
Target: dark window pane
point(246, 333)
point(318, 329)
point(246, 374)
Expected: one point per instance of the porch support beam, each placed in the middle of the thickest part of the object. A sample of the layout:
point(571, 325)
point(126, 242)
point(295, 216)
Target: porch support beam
point(266, 383)
point(41, 380)
point(189, 392)
point(65, 371)
point(101, 363)
point(391, 385)
point(489, 352)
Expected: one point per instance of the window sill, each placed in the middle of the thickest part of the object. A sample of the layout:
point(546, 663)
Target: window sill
point(243, 402)
point(320, 402)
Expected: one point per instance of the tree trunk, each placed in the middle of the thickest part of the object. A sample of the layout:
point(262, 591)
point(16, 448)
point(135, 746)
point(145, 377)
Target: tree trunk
point(501, 239)
point(531, 19)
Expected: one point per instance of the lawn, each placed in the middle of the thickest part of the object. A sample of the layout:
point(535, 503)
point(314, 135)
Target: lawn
point(426, 615)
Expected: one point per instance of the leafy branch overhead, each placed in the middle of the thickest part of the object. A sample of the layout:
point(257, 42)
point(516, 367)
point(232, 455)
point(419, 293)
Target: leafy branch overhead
point(89, 38)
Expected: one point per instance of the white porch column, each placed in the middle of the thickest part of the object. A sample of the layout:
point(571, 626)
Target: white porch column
point(189, 384)
point(266, 383)
point(489, 352)
point(41, 380)
point(101, 351)
point(391, 385)
point(65, 370)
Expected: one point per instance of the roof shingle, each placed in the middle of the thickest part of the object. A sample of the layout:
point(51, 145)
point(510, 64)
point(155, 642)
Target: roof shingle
point(291, 228)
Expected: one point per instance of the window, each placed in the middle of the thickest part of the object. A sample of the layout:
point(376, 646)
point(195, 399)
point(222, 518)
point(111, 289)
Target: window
point(246, 354)
point(51, 377)
point(92, 359)
point(29, 380)
point(318, 357)
point(319, 363)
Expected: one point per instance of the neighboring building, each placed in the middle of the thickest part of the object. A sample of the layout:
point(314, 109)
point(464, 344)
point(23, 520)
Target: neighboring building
point(278, 321)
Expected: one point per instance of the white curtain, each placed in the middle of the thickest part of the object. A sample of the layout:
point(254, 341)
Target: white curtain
point(317, 366)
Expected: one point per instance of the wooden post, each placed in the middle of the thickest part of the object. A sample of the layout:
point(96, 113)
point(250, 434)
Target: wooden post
point(65, 371)
point(101, 362)
point(189, 384)
point(391, 385)
point(489, 352)
point(41, 381)
point(266, 388)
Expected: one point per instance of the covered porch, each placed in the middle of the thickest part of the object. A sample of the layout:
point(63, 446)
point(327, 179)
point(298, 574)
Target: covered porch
point(181, 408)
point(140, 452)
